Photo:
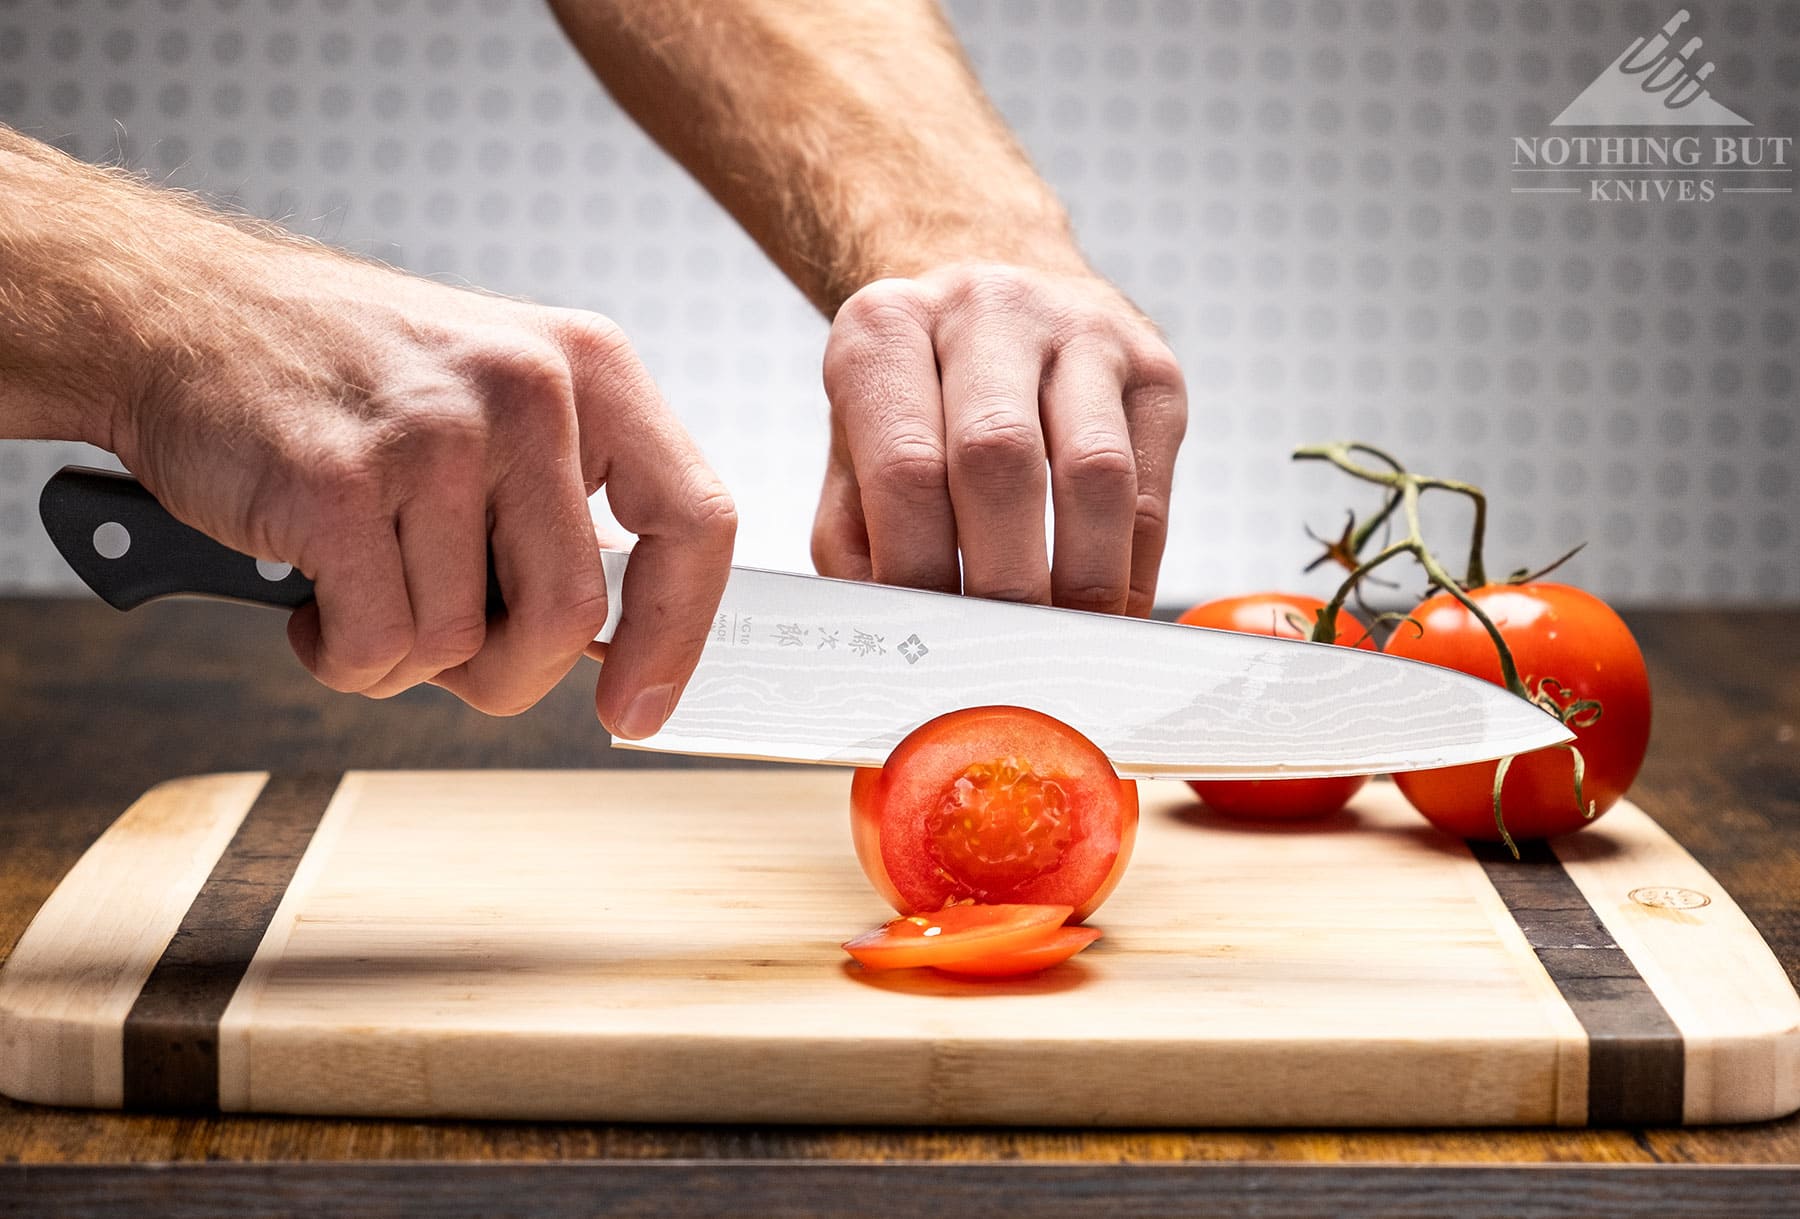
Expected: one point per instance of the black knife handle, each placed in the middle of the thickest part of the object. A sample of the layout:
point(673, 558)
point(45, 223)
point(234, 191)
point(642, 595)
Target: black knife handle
point(126, 547)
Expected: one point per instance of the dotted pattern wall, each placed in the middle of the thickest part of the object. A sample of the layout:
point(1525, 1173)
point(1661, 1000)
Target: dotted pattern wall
point(1315, 198)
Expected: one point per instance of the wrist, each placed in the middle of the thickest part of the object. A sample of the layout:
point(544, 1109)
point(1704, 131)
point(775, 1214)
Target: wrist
point(1034, 234)
point(209, 299)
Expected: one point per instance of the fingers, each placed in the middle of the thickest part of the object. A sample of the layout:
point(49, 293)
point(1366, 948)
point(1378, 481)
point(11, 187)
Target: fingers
point(998, 480)
point(401, 594)
point(1156, 413)
point(662, 490)
point(443, 544)
point(360, 624)
point(1093, 478)
point(881, 375)
point(545, 555)
point(840, 537)
point(961, 401)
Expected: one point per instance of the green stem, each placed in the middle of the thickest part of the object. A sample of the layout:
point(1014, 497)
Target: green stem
point(1499, 781)
point(1407, 488)
point(1509, 670)
point(1361, 537)
point(1325, 629)
point(1397, 477)
point(1477, 574)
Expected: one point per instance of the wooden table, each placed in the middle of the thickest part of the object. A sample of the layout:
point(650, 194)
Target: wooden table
point(97, 706)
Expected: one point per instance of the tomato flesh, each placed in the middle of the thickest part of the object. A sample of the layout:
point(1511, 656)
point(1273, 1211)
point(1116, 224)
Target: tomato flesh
point(1000, 825)
point(1557, 632)
point(1286, 616)
point(993, 805)
point(954, 934)
point(1062, 943)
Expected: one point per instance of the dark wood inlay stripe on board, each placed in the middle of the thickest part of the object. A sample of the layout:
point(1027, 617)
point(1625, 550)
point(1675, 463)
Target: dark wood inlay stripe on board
point(172, 1031)
point(1635, 1052)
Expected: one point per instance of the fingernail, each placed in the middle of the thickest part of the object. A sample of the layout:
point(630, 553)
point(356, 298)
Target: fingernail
point(646, 712)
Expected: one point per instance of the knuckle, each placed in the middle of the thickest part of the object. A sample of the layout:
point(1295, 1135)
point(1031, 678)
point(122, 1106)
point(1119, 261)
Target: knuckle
point(577, 614)
point(883, 307)
point(1150, 515)
point(714, 513)
point(341, 487)
point(1011, 590)
point(451, 426)
point(912, 470)
point(446, 644)
point(596, 343)
point(351, 660)
point(543, 374)
point(994, 289)
point(1084, 331)
point(1101, 471)
point(1095, 593)
point(1155, 368)
point(997, 446)
point(870, 327)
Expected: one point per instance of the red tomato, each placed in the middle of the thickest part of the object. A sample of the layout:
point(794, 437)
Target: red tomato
point(1287, 616)
point(1558, 633)
point(1063, 943)
point(994, 804)
point(956, 933)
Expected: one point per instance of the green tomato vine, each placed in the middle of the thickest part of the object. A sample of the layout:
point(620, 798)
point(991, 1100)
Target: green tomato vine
point(1405, 489)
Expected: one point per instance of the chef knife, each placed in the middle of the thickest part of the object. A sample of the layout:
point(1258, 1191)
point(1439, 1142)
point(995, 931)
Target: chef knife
point(807, 669)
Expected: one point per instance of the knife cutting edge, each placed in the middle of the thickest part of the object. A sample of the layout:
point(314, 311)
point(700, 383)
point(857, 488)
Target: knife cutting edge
point(808, 669)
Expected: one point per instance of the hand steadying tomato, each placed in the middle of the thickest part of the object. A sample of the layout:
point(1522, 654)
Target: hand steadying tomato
point(1573, 647)
point(1287, 616)
point(994, 805)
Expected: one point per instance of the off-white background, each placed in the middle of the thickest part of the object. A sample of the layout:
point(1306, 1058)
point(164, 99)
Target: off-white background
point(1311, 196)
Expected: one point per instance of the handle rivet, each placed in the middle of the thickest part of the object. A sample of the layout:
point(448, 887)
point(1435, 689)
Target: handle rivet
point(272, 571)
point(112, 540)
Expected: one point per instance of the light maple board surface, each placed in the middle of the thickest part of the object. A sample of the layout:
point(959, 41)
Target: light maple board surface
point(645, 945)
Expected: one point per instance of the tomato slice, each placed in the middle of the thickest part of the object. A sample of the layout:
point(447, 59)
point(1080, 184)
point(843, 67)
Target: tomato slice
point(995, 805)
point(1063, 943)
point(955, 933)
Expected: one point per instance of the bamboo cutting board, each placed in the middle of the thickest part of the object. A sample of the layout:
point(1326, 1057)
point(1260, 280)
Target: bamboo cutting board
point(663, 946)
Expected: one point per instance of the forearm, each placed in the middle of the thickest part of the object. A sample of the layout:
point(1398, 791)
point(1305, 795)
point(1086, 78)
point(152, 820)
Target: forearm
point(96, 269)
point(849, 138)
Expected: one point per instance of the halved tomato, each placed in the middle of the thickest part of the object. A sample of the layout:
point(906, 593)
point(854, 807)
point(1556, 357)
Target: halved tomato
point(956, 933)
point(1064, 942)
point(994, 805)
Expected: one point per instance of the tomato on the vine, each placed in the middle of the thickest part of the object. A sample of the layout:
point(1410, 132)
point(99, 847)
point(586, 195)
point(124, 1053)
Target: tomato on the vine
point(1568, 645)
point(994, 805)
point(1289, 616)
